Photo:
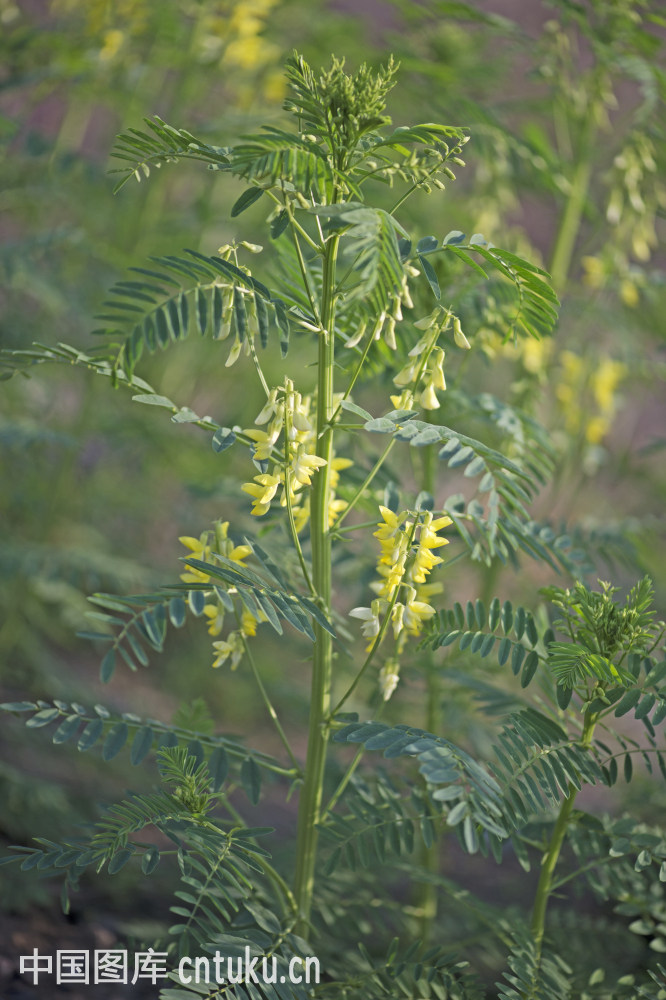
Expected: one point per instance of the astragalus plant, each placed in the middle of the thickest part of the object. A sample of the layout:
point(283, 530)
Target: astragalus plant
point(339, 515)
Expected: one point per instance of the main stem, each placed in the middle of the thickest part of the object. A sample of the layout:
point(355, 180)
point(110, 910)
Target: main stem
point(573, 212)
point(309, 810)
point(427, 898)
point(551, 857)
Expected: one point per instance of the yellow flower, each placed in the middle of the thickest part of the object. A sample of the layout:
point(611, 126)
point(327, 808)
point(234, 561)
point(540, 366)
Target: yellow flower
point(263, 490)
point(397, 616)
point(405, 401)
point(389, 333)
point(407, 374)
point(535, 354)
point(249, 623)
point(356, 337)
point(596, 429)
point(458, 335)
point(304, 466)
point(226, 547)
point(434, 379)
point(426, 590)
point(215, 615)
point(270, 408)
point(335, 508)
point(416, 612)
point(337, 465)
point(263, 443)
point(424, 562)
point(391, 525)
point(113, 41)
point(428, 398)
point(231, 647)
point(629, 293)
point(302, 514)
point(430, 525)
point(595, 272)
point(301, 415)
point(200, 550)
point(605, 381)
point(370, 618)
point(393, 572)
point(274, 87)
point(389, 675)
point(428, 323)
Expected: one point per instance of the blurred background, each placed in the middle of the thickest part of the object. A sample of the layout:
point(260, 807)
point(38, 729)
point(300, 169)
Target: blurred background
point(565, 166)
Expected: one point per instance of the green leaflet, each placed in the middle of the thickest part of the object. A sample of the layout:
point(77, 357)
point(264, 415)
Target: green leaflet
point(442, 764)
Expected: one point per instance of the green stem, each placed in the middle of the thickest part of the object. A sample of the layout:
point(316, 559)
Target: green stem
point(573, 212)
point(427, 897)
point(344, 781)
point(309, 810)
point(366, 482)
point(285, 894)
point(307, 284)
point(353, 527)
point(545, 885)
point(269, 705)
point(382, 458)
point(429, 855)
point(257, 365)
point(357, 372)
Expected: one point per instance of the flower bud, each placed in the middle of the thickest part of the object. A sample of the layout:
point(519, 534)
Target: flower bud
point(458, 335)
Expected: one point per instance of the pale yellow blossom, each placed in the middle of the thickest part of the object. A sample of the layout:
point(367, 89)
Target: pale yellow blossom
point(263, 489)
point(229, 648)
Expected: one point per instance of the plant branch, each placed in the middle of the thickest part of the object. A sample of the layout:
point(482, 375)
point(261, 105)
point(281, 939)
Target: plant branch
point(269, 705)
point(546, 878)
point(366, 482)
point(573, 212)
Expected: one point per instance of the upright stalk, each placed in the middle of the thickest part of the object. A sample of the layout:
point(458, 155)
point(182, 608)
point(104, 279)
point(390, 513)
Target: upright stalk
point(309, 810)
point(573, 211)
point(551, 857)
point(429, 855)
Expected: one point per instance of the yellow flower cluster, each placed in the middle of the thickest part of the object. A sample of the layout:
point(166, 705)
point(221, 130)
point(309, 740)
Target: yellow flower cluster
point(589, 398)
point(637, 195)
point(407, 557)
point(288, 413)
point(229, 33)
point(204, 549)
point(426, 367)
point(614, 268)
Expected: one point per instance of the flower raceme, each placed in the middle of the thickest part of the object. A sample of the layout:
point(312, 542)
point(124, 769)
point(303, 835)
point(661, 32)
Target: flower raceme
point(406, 559)
point(286, 414)
point(205, 548)
point(425, 367)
